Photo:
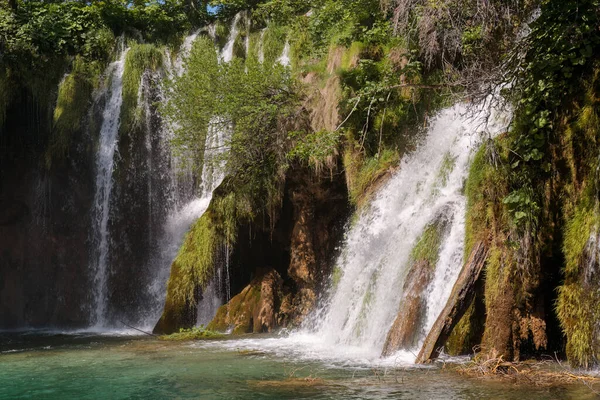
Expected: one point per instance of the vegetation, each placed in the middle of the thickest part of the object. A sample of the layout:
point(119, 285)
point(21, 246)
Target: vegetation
point(74, 97)
point(195, 260)
point(364, 78)
point(428, 245)
point(139, 59)
point(256, 106)
point(196, 333)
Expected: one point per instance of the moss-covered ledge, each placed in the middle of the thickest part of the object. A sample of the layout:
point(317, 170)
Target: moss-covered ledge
point(190, 272)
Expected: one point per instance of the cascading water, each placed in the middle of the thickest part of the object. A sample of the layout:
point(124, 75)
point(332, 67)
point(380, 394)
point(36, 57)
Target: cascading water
point(376, 255)
point(227, 53)
point(261, 46)
point(285, 55)
point(186, 206)
point(104, 166)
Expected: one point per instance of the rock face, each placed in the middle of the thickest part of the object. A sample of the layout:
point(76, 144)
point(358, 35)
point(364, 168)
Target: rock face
point(43, 222)
point(408, 324)
point(320, 206)
point(255, 309)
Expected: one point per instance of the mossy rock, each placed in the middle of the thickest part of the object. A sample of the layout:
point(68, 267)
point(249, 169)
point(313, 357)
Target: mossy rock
point(255, 309)
point(192, 269)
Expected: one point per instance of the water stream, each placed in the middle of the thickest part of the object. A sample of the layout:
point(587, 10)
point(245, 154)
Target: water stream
point(104, 166)
point(376, 255)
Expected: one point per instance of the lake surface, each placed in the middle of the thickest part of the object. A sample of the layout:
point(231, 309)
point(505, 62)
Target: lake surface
point(123, 366)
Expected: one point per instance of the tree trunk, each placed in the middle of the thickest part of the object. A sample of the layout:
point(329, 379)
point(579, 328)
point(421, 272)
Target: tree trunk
point(461, 297)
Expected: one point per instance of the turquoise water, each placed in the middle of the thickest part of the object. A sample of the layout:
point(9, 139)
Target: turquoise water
point(103, 367)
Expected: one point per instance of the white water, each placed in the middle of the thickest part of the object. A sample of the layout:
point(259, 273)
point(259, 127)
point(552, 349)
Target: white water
point(375, 258)
point(104, 169)
point(353, 325)
point(285, 55)
point(227, 53)
point(186, 209)
point(184, 52)
point(261, 46)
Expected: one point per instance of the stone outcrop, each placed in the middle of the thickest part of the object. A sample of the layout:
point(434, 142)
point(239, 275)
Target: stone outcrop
point(320, 205)
point(255, 309)
point(408, 324)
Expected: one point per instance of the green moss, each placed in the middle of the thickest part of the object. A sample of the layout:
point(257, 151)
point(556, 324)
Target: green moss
point(365, 309)
point(448, 164)
point(274, 42)
point(578, 303)
point(461, 337)
point(485, 187)
point(351, 55)
point(196, 333)
point(195, 260)
point(140, 57)
point(72, 104)
point(231, 210)
point(428, 245)
point(578, 311)
point(577, 234)
point(365, 173)
point(498, 272)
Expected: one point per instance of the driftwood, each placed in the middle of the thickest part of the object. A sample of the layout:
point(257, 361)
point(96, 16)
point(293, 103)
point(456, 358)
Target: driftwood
point(461, 297)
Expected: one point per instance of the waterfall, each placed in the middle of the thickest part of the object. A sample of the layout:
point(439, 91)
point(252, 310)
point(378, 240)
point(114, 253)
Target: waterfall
point(247, 42)
point(227, 53)
point(261, 46)
point(184, 52)
point(187, 206)
point(104, 167)
point(285, 55)
point(375, 259)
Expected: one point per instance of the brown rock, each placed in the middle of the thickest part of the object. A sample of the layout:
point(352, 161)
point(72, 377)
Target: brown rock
point(405, 330)
point(255, 309)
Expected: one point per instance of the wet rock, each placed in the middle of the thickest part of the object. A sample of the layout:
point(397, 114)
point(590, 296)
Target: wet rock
point(409, 321)
point(255, 309)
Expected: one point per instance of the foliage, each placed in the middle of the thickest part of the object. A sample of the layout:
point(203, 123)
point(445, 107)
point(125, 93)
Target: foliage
point(195, 260)
point(458, 33)
point(318, 149)
point(274, 40)
point(257, 105)
point(195, 333)
point(139, 59)
point(557, 53)
point(363, 174)
point(74, 97)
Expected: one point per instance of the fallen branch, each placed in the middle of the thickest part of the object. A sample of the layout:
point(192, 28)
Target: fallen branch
point(136, 329)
